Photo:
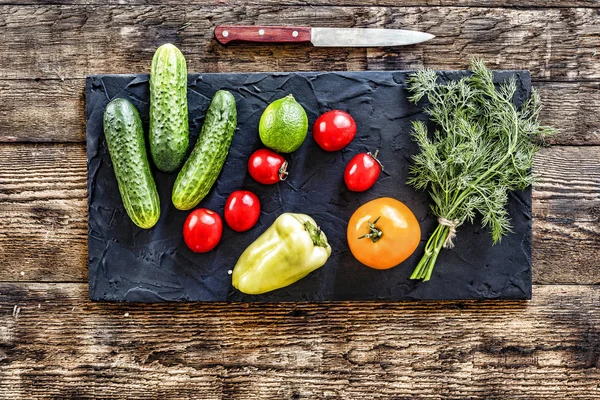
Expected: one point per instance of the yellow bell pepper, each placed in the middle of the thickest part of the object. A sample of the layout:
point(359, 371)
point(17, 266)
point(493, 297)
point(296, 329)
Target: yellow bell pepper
point(286, 252)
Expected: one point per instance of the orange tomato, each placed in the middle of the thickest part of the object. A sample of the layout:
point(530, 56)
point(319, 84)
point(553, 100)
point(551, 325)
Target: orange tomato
point(383, 232)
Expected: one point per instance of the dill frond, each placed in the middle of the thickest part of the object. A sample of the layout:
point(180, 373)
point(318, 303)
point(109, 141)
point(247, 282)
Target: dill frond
point(481, 150)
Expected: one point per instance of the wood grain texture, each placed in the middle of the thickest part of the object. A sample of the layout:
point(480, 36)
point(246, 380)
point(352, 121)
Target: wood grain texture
point(54, 111)
point(546, 42)
point(318, 3)
point(567, 216)
point(574, 109)
point(43, 214)
point(74, 41)
point(43, 217)
point(49, 110)
point(54, 343)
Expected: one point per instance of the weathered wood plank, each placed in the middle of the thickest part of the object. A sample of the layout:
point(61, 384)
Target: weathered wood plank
point(73, 41)
point(573, 108)
point(42, 110)
point(43, 214)
point(317, 3)
point(54, 110)
point(54, 343)
point(506, 39)
point(43, 203)
point(567, 216)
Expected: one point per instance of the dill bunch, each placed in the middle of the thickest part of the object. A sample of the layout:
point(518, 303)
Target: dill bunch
point(482, 149)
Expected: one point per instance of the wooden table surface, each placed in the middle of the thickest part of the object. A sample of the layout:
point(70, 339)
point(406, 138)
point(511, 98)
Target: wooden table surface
point(54, 343)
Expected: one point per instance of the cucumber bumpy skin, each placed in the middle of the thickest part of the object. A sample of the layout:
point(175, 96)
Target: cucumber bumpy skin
point(169, 129)
point(125, 138)
point(202, 168)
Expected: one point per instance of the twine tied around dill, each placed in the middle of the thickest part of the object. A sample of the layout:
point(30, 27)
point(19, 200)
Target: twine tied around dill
point(451, 224)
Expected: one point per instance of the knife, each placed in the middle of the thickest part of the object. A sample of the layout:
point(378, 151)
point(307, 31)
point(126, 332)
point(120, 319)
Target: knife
point(327, 37)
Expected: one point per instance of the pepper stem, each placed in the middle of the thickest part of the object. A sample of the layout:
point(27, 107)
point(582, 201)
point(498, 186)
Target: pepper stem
point(374, 233)
point(315, 234)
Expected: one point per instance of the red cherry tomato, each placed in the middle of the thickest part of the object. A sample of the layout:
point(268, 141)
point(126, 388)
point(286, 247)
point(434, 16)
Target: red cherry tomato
point(242, 210)
point(334, 130)
point(267, 167)
point(202, 230)
point(362, 171)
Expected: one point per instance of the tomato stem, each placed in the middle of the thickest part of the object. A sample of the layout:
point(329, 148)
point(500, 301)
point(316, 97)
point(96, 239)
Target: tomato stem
point(283, 174)
point(374, 233)
point(374, 157)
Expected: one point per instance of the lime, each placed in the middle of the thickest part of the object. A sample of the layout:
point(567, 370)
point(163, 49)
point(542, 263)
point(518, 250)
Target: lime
point(283, 125)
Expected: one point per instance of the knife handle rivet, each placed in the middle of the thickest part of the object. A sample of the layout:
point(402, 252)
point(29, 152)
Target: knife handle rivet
point(225, 33)
point(261, 32)
point(295, 34)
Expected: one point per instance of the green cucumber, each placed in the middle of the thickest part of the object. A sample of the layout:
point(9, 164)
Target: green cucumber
point(125, 138)
point(202, 168)
point(168, 108)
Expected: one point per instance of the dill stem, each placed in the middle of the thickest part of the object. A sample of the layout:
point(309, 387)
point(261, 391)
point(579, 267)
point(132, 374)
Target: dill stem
point(434, 245)
point(440, 243)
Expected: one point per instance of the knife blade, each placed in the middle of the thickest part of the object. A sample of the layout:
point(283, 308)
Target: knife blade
point(327, 37)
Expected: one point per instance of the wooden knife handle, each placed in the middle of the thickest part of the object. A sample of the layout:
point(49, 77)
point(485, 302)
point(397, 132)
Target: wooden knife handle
point(266, 34)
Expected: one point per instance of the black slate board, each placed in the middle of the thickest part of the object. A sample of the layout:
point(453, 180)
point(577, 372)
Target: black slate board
point(130, 264)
